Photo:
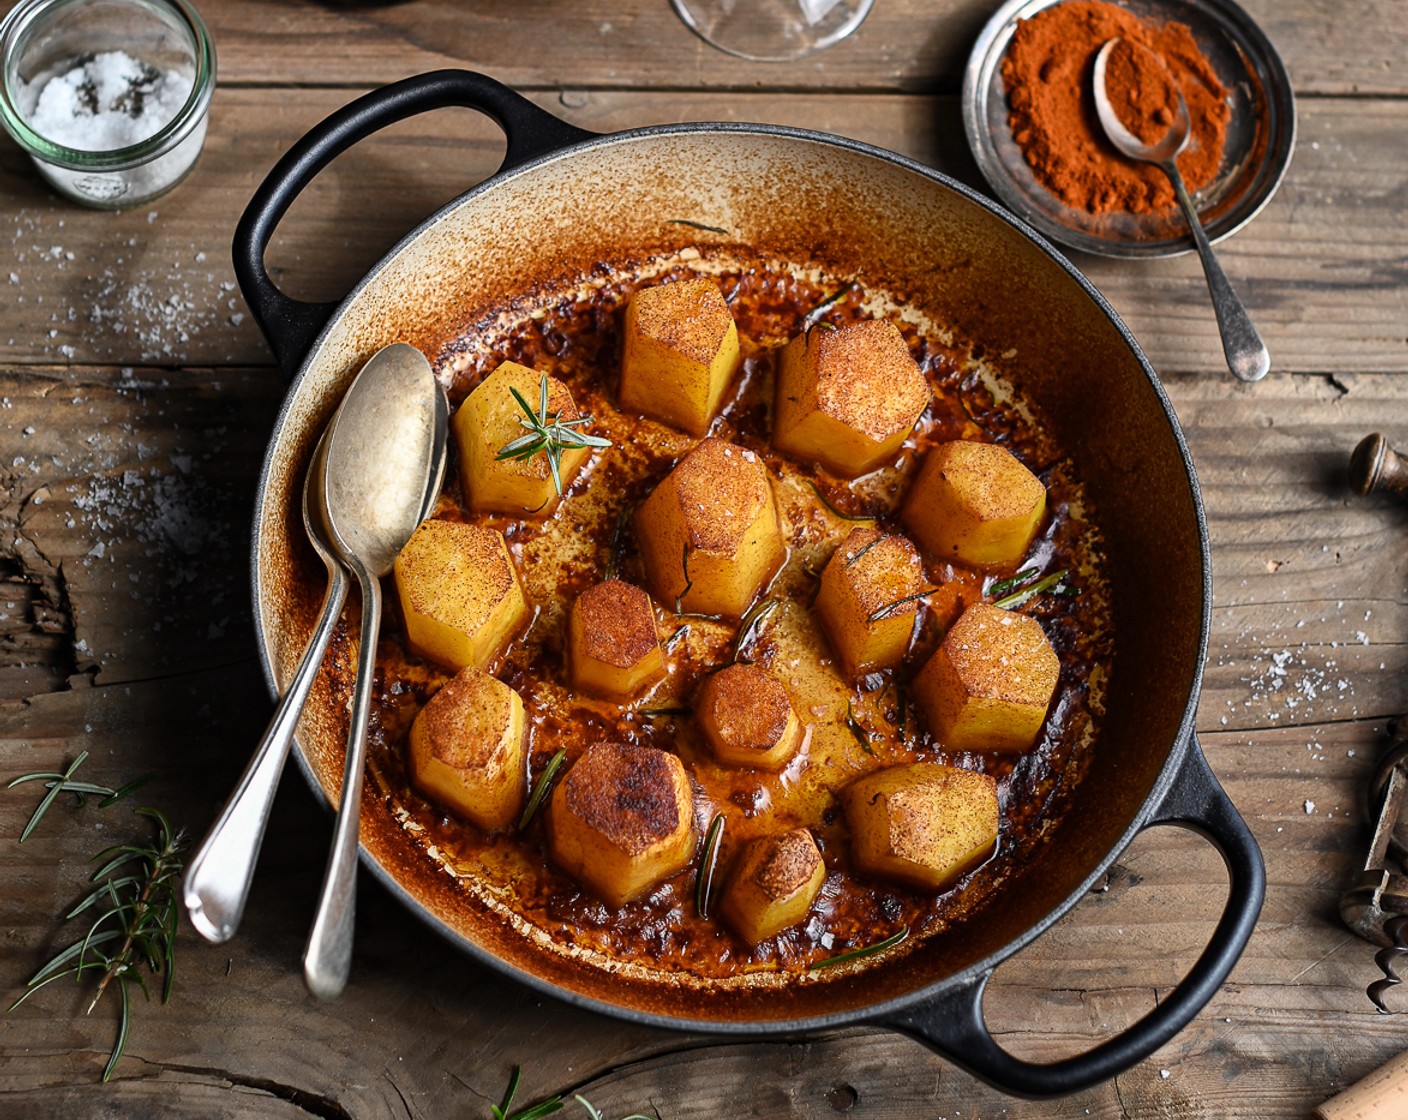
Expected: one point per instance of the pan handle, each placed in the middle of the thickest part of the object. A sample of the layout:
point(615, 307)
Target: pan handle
point(953, 1024)
point(291, 325)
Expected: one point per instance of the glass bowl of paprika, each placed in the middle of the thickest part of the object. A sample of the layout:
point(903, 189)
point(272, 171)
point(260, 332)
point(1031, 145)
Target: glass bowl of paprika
point(1030, 117)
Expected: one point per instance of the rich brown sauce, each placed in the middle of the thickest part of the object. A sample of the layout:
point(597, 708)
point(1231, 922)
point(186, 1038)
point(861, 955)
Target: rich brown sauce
point(572, 331)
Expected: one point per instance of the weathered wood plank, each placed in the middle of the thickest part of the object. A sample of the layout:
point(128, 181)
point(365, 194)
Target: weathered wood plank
point(1324, 269)
point(912, 45)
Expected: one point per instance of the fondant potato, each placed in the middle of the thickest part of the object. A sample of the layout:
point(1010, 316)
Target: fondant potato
point(467, 749)
point(868, 573)
point(773, 885)
point(748, 719)
point(920, 823)
point(710, 534)
point(614, 650)
point(622, 819)
point(975, 503)
point(847, 398)
point(988, 685)
point(459, 593)
point(681, 351)
point(488, 421)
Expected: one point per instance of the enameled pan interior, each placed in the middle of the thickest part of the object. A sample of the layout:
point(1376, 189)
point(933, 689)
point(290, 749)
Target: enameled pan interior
point(898, 227)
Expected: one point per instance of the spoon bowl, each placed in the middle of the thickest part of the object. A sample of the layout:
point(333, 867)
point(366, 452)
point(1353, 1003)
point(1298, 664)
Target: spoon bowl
point(385, 464)
point(1246, 354)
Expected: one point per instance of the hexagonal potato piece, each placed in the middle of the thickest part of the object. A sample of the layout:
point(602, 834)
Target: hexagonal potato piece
point(868, 573)
point(847, 398)
point(613, 648)
point(681, 351)
point(921, 823)
point(467, 748)
point(459, 594)
point(748, 718)
point(773, 884)
point(710, 534)
point(622, 820)
point(975, 503)
point(488, 421)
point(989, 683)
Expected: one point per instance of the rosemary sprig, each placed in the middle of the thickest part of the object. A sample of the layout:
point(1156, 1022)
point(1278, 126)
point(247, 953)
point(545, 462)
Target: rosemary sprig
point(540, 788)
point(532, 1112)
point(708, 864)
point(880, 612)
point(752, 623)
point(815, 314)
point(1011, 583)
point(1050, 584)
point(890, 942)
point(136, 896)
point(821, 497)
point(548, 433)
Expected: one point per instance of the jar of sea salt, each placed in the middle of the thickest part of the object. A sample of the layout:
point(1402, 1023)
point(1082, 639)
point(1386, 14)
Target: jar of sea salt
point(108, 97)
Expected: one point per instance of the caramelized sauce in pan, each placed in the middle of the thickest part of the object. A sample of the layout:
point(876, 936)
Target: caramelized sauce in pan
point(572, 331)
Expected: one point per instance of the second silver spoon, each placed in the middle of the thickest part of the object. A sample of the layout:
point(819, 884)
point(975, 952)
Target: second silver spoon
point(386, 460)
point(1246, 354)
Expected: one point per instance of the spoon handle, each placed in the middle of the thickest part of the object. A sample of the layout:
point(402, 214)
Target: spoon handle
point(1247, 356)
point(328, 958)
point(218, 878)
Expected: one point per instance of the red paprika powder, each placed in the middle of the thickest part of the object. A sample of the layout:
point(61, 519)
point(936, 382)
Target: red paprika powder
point(1048, 71)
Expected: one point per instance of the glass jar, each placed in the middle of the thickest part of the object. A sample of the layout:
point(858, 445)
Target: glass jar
point(75, 42)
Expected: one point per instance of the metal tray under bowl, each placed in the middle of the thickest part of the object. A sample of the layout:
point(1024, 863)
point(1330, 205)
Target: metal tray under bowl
point(1260, 135)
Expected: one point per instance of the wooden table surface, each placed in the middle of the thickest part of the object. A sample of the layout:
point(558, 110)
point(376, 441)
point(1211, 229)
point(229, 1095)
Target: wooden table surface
point(136, 397)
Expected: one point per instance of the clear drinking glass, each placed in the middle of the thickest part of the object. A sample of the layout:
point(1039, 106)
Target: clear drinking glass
point(43, 39)
point(772, 30)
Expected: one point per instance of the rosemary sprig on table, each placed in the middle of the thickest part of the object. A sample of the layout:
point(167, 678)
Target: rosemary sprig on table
point(864, 951)
point(548, 433)
point(502, 1110)
point(135, 900)
point(1050, 584)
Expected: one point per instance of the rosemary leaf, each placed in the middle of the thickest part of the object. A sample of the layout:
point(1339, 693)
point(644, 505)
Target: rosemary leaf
point(708, 863)
point(669, 643)
point(688, 583)
point(541, 787)
point(1003, 586)
point(862, 735)
point(877, 615)
point(864, 951)
point(618, 544)
point(1049, 584)
point(664, 713)
point(869, 517)
point(56, 787)
point(694, 225)
point(864, 549)
point(815, 314)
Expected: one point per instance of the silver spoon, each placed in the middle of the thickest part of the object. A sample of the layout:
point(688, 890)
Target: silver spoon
point(217, 880)
point(1246, 354)
point(385, 463)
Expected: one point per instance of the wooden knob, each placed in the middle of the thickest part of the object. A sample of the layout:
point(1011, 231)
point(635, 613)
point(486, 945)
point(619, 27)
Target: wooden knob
point(1374, 465)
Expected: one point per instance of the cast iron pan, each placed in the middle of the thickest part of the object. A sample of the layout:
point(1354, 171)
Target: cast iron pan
point(565, 198)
